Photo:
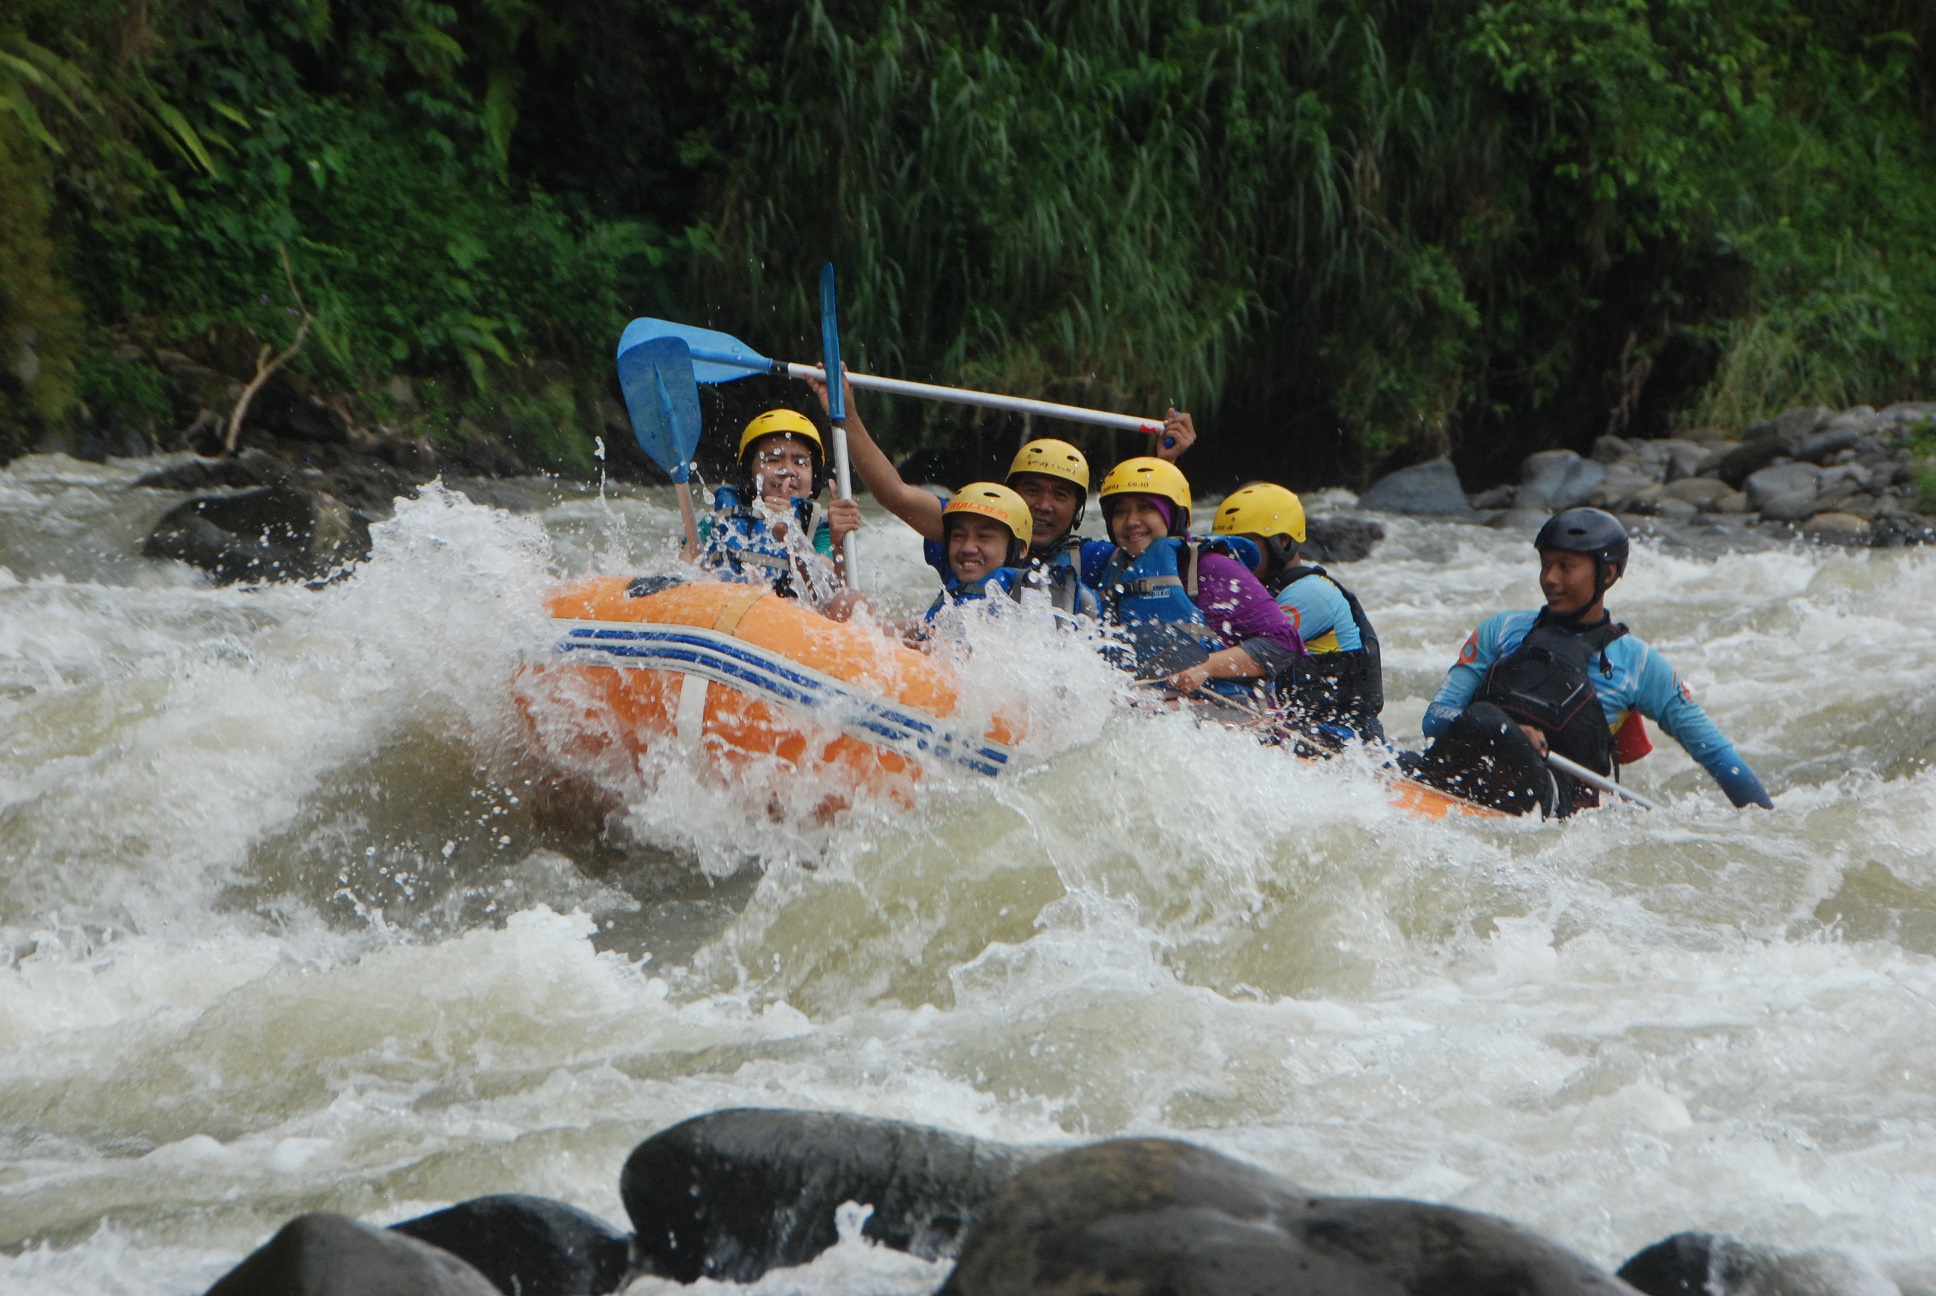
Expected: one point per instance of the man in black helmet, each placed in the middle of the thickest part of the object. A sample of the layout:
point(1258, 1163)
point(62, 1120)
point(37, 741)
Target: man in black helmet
point(1564, 679)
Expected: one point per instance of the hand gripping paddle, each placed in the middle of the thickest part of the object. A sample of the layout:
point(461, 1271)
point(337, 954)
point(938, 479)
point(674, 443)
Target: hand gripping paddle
point(662, 397)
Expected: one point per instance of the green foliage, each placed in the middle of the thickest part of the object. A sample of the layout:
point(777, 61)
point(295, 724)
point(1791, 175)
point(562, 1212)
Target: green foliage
point(1345, 230)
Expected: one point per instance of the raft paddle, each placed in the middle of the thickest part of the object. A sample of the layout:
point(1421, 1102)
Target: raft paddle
point(1600, 781)
point(662, 398)
point(837, 415)
point(719, 357)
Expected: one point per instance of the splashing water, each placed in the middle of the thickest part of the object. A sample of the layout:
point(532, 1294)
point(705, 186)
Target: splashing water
point(281, 927)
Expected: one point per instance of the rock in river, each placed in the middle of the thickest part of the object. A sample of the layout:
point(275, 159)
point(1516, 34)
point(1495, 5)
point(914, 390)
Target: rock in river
point(732, 1194)
point(1340, 539)
point(1430, 488)
point(1151, 1217)
point(270, 533)
point(1707, 1264)
point(529, 1246)
point(329, 1255)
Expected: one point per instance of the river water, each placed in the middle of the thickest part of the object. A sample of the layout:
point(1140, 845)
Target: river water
point(280, 931)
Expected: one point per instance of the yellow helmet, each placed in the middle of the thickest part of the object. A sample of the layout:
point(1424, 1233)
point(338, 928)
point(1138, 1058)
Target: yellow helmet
point(1052, 458)
point(986, 499)
point(1260, 509)
point(1147, 475)
point(781, 422)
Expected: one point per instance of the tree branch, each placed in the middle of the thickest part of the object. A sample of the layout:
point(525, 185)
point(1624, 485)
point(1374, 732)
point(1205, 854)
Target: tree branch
point(264, 366)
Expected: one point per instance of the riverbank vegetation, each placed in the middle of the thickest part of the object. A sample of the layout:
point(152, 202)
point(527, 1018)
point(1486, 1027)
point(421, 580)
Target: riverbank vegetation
point(1348, 232)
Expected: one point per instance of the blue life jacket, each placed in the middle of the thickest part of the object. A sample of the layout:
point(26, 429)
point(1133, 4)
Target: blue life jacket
point(739, 545)
point(1055, 575)
point(1003, 580)
point(1157, 585)
point(1152, 598)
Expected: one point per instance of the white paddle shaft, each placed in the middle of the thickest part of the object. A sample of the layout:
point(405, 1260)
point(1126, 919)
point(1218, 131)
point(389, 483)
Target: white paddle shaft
point(1600, 781)
point(844, 489)
point(989, 400)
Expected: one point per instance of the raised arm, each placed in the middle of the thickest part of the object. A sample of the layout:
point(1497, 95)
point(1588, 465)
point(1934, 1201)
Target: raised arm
point(918, 508)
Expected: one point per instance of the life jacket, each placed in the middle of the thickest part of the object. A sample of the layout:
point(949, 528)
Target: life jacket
point(1345, 687)
point(1003, 580)
point(1152, 597)
point(1060, 575)
point(1547, 682)
point(742, 546)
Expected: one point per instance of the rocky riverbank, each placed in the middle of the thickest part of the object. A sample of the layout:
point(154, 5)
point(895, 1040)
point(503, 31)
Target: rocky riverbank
point(1859, 477)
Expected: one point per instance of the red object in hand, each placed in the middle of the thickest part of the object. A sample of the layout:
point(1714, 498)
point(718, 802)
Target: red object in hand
point(1631, 742)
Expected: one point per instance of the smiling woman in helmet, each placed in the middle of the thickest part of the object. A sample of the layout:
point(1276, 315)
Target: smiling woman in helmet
point(1193, 612)
point(1565, 678)
point(1051, 476)
point(1340, 685)
point(766, 528)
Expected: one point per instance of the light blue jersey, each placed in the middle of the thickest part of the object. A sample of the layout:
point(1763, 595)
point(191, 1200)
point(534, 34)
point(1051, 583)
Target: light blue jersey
point(1641, 680)
point(1318, 609)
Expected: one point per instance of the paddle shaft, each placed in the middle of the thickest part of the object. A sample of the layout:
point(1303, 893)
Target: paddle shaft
point(987, 400)
point(935, 392)
point(684, 492)
point(1601, 781)
point(837, 418)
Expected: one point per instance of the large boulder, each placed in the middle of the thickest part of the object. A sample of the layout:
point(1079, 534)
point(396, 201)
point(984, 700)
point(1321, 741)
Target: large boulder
point(1558, 479)
point(529, 1246)
point(330, 1255)
point(1769, 484)
point(1839, 529)
point(1340, 539)
point(269, 533)
point(732, 1194)
point(1430, 489)
point(1152, 1217)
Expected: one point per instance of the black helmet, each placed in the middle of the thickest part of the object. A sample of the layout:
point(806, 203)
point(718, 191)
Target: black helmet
point(1590, 531)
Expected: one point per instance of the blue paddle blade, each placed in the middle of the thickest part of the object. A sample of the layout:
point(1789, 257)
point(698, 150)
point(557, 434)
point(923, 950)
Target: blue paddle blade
point(830, 347)
point(663, 400)
point(716, 357)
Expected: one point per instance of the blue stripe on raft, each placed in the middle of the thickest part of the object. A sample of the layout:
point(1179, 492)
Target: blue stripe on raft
point(737, 663)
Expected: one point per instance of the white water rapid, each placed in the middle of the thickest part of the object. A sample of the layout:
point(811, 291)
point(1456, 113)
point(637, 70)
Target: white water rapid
point(279, 930)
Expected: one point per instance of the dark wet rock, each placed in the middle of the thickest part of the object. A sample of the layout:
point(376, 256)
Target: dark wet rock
point(529, 1246)
point(1839, 528)
point(732, 1194)
point(1340, 539)
point(1143, 1217)
point(1894, 530)
point(1493, 497)
point(329, 1255)
point(270, 533)
point(1431, 489)
point(1735, 464)
point(1558, 479)
point(1833, 439)
point(1769, 484)
point(1707, 1264)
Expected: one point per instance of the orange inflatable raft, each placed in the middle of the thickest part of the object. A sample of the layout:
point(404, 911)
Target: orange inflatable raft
point(753, 679)
point(750, 679)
